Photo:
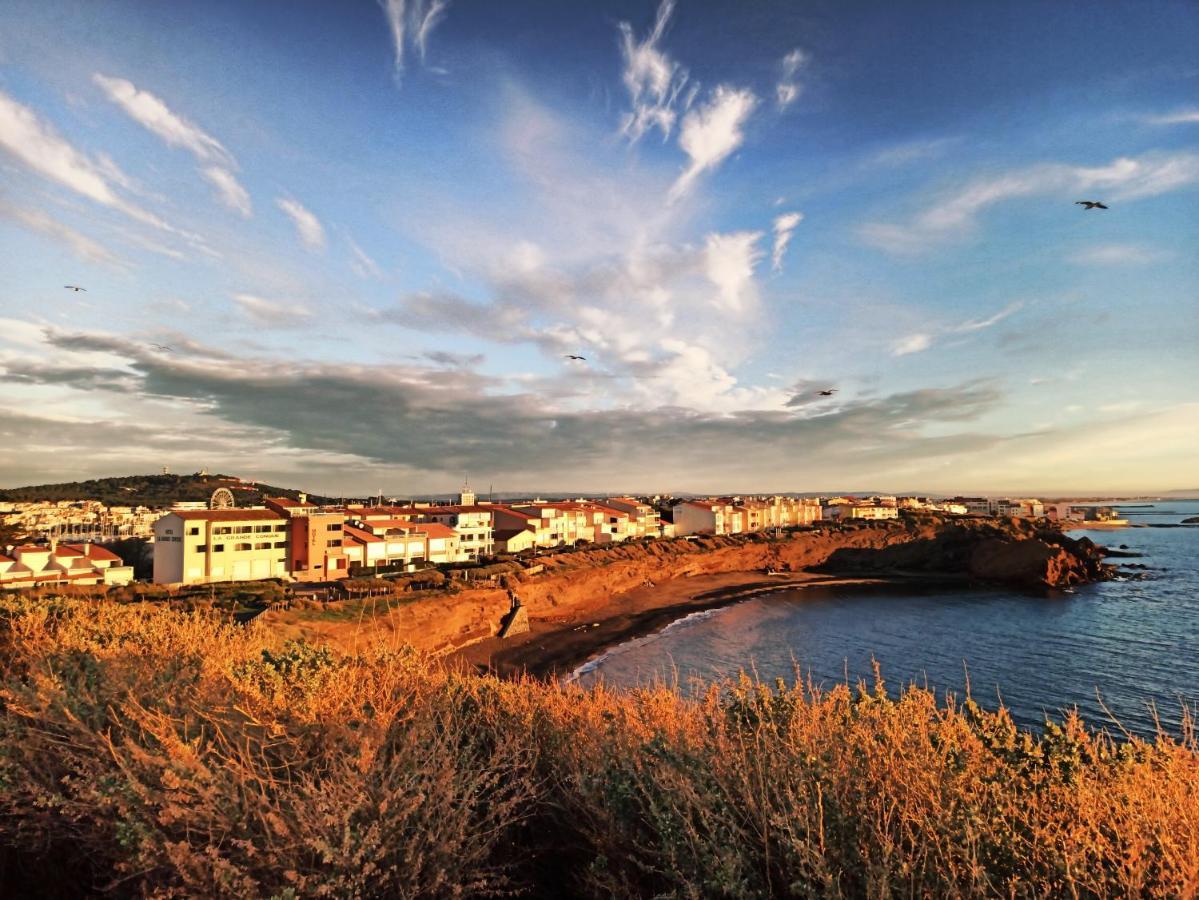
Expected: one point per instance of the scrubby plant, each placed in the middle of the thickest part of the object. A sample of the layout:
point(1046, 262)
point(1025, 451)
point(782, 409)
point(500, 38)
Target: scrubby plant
point(153, 752)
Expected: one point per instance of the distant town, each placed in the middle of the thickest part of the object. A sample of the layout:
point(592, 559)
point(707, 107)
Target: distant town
point(298, 540)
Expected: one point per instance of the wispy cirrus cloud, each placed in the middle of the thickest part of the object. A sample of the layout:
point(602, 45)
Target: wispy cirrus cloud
point(1178, 117)
point(38, 146)
point(956, 212)
point(655, 82)
point(42, 222)
point(276, 313)
point(152, 113)
point(411, 23)
point(229, 189)
point(920, 341)
point(787, 90)
point(361, 264)
point(1117, 255)
point(784, 227)
point(308, 226)
point(710, 133)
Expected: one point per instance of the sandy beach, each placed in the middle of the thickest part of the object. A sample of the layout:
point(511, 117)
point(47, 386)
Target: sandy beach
point(556, 645)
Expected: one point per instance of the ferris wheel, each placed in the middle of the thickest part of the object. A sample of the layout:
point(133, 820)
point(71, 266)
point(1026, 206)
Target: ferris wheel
point(222, 498)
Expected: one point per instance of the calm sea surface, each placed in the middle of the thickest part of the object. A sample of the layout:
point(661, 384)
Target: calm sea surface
point(1135, 642)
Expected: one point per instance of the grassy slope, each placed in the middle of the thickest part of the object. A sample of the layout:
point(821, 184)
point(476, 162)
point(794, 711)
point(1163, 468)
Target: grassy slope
point(157, 752)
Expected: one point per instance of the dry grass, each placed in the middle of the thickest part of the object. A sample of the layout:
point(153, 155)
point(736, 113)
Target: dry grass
point(149, 752)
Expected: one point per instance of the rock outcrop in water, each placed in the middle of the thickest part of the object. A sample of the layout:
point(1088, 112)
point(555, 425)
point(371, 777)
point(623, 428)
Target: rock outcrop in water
point(1011, 551)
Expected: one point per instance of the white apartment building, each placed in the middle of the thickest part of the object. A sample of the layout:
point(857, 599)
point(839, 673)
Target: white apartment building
point(84, 564)
point(203, 546)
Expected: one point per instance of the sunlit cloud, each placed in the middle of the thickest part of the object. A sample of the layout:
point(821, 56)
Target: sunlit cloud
point(308, 226)
point(784, 227)
point(655, 82)
point(711, 132)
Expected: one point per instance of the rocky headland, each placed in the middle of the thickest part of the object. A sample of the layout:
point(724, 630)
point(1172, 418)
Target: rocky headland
point(578, 602)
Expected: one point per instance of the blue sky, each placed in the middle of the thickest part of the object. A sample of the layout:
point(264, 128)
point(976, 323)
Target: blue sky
point(369, 234)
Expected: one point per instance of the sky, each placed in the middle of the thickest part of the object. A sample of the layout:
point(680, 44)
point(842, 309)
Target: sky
point(350, 247)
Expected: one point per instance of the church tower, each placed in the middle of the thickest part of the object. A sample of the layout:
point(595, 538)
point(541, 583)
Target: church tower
point(466, 497)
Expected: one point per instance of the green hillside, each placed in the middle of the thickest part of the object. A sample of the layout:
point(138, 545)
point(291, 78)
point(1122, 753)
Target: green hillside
point(150, 490)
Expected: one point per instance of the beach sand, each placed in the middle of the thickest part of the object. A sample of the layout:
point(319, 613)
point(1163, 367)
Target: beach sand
point(555, 646)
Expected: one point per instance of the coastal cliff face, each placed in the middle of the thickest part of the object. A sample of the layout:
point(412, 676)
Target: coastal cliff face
point(1010, 552)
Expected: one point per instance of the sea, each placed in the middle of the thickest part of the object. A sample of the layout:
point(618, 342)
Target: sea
point(1124, 653)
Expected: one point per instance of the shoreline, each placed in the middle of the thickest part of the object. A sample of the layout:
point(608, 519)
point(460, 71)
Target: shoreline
point(556, 646)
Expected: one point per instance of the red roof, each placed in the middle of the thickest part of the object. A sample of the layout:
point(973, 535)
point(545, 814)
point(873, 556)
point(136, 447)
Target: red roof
point(516, 512)
point(434, 530)
point(100, 553)
point(362, 537)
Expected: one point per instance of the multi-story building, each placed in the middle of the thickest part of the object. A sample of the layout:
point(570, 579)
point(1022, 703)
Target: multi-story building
point(844, 511)
point(644, 520)
point(708, 517)
point(32, 565)
point(386, 544)
point(202, 546)
point(315, 542)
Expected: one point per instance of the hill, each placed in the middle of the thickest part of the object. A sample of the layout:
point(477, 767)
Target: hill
point(151, 490)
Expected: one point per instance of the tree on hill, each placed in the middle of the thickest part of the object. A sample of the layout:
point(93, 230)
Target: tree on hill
point(150, 490)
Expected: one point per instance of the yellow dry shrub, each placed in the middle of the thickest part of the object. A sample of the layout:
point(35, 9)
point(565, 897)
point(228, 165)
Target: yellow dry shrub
point(157, 753)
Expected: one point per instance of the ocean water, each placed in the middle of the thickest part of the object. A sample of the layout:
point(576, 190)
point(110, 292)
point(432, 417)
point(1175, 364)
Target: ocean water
point(1128, 649)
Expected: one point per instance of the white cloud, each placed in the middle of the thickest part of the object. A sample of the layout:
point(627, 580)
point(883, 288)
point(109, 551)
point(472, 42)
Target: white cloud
point(1181, 117)
point(654, 81)
point(784, 227)
point(1117, 255)
point(913, 343)
point(152, 114)
point(980, 324)
point(710, 133)
point(956, 212)
point(232, 194)
point(411, 24)
point(921, 341)
point(427, 17)
point(308, 226)
point(272, 312)
point(80, 244)
point(788, 89)
point(729, 261)
point(155, 116)
point(361, 263)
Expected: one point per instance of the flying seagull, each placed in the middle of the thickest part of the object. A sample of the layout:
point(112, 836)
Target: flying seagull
point(827, 393)
point(1090, 204)
point(73, 287)
point(163, 348)
point(573, 356)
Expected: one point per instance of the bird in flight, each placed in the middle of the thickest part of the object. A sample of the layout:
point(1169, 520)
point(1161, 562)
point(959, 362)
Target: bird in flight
point(574, 356)
point(827, 393)
point(74, 287)
point(162, 348)
point(1090, 204)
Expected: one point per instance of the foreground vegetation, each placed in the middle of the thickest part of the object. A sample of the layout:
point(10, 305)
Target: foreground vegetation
point(147, 751)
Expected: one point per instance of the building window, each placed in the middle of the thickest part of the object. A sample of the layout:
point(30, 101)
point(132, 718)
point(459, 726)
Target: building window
point(203, 548)
point(279, 544)
point(242, 547)
point(224, 529)
point(335, 527)
point(282, 527)
point(218, 548)
point(195, 529)
point(336, 543)
point(265, 545)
